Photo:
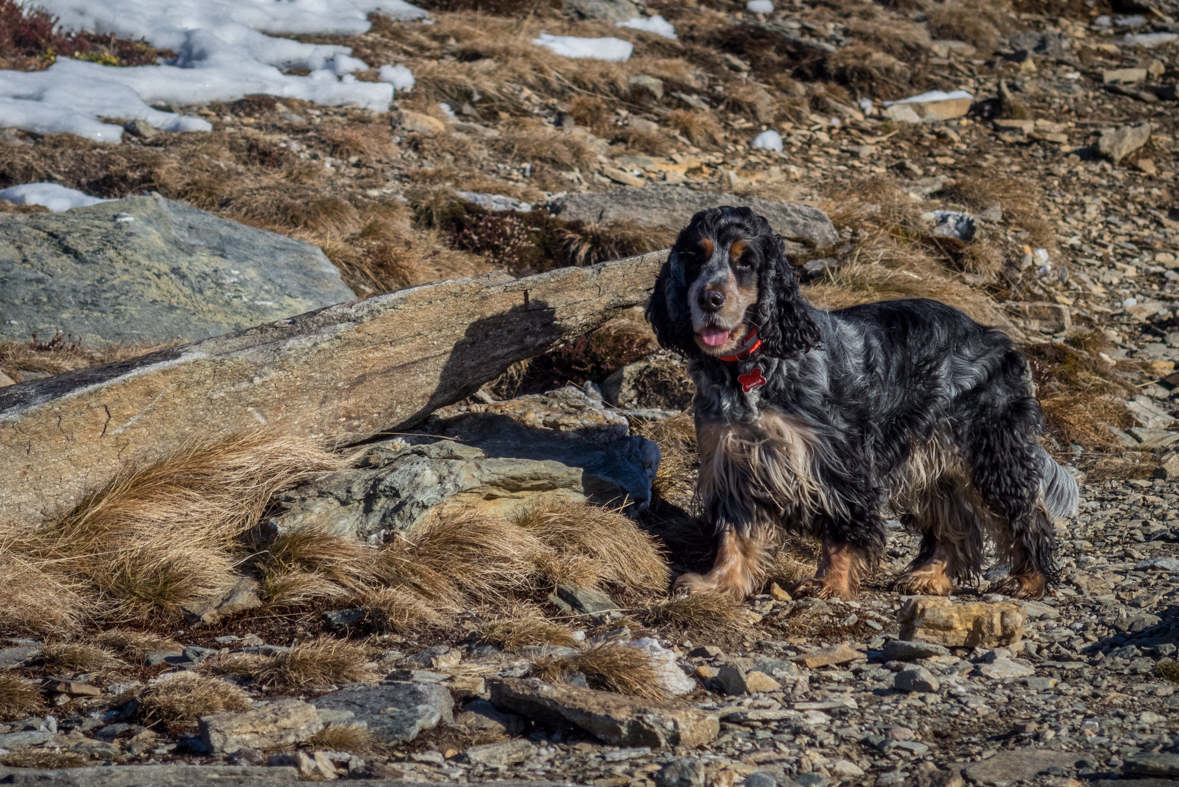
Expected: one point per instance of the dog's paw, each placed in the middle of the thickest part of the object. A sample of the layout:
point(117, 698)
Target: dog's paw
point(690, 584)
point(924, 582)
point(817, 588)
point(1018, 586)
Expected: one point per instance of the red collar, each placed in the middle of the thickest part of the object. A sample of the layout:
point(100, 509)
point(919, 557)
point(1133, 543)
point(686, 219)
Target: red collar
point(748, 347)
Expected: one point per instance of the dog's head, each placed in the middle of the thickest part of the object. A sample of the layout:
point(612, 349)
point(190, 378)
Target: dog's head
point(727, 274)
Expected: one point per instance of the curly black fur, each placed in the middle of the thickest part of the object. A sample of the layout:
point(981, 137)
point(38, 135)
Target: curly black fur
point(902, 402)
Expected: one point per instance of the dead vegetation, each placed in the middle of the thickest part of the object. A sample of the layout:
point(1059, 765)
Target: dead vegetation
point(19, 698)
point(619, 668)
point(713, 615)
point(177, 700)
point(523, 627)
point(317, 665)
point(351, 738)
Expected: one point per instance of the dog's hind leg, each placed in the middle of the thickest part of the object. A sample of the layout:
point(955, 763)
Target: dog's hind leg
point(841, 568)
point(951, 543)
point(1007, 471)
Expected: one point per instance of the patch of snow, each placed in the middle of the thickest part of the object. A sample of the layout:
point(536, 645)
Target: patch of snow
point(931, 96)
point(50, 195)
point(612, 49)
point(1148, 40)
point(1102, 21)
point(225, 49)
point(866, 106)
point(768, 140)
point(760, 6)
point(447, 110)
point(656, 24)
point(1137, 20)
point(672, 678)
point(496, 202)
point(400, 77)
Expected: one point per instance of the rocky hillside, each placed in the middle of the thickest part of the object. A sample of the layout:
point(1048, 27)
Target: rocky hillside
point(477, 591)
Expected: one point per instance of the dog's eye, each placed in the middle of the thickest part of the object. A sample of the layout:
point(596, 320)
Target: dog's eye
point(742, 263)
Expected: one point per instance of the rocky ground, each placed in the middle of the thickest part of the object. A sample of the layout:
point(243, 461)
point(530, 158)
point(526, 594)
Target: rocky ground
point(1065, 163)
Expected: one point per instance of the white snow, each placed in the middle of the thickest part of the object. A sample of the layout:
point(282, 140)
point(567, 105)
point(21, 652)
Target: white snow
point(760, 6)
point(1148, 40)
point(931, 96)
point(768, 140)
point(400, 77)
point(656, 24)
point(225, 49)
point(50, 195)
point(613, 49)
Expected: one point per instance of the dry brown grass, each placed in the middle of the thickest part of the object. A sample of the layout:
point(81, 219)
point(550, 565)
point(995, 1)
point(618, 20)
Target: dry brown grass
point(352, 738)
point(601, 242)
point(533, 142)
point(525, 626)
point(618, 668)
point(75, 657)
point(1080, 394)
point(868, 72)
point(308, 562)
point(135, 645)
point(401, 610)
point(1082, 418)
point(619, 552)
point(57, 354)
point(591, 112)
point(978, 24)
point(701, 614)
point(898, 37)
point(308, 666)
point(676, 438)
point(795, 560)
point(454, 558)
point(1018, 197)
point(372, 140)
point(162, 535)
point(1168, 670)
point(637, 140)
point(177, 701)
point(700, 128)
point(19, 698)
point(39, 600)
point(43, 759)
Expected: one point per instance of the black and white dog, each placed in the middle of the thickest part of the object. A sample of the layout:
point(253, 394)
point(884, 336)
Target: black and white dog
point(816, 421)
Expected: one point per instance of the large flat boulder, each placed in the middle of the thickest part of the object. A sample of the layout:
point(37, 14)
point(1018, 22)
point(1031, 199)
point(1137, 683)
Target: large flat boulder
point(674, 206)
point(340, 374)
point(562, 446)
point(147, 269)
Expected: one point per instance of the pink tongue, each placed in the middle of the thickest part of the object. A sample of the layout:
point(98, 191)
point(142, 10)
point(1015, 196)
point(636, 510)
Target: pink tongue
point(714, 337)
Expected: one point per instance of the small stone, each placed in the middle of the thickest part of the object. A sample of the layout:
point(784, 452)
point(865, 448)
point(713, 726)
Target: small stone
point(681, 772)
point(71, 687)
point(736, 682)
point(778, 593)
point(418, 122)
point(241, 597)
point(140, 128)
point(825, 657)
point(623, 177)
point(315, 766)
point(1116, 145)
point(495, 755)
point(483, 716)
point(5, 380)
point(915, 679)
point(1124, 76)
point(901, 650)
point(759, 779)
point(433, 658)
point(1001, 668)
point(845, 769)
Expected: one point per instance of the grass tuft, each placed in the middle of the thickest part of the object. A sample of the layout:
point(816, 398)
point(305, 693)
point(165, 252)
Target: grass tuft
point(700, 614)
point(351, 738)
point(523, 627)
point(19, 698)
point(135, 645)
point(308, 666)
point(618, 668)
point(75, 657)
point(592, 243)
point(176, 701)
point(624, 555)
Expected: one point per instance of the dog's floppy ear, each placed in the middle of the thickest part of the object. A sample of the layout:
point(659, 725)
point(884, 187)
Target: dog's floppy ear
point(784, 322)
point(667, 311)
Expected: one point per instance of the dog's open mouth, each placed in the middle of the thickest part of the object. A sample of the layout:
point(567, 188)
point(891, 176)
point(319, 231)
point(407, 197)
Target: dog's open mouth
point(715, 336)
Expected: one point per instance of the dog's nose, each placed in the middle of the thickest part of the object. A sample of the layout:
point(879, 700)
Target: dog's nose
point(712, 300)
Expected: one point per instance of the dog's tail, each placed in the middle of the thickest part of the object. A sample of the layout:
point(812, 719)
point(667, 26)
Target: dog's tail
point(1058, 489)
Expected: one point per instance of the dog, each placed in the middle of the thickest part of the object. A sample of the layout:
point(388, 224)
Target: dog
point(818, 422)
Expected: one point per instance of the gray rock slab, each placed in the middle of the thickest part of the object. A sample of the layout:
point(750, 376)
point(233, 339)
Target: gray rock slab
point(1152, 764)
point(172, 775)
point(608, 10)
point(674, 206)
point(15, 740)
point(278, 723)
point(17, 656)
point(340, 374)
point(1019, 764)
point(151, 270)
point(561, 446)
point(1117, 144)
point(394, 712)
point(901, 650)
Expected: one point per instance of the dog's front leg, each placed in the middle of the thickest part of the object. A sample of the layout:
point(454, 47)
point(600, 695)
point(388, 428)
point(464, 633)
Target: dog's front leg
point(739, 568)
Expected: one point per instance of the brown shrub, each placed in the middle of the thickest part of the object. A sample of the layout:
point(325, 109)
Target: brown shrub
point(525, 626)
point(700, 614)
point(74, 657)
point(532, 141)
point(700, 128)
point(897, 37)
point(868, 72)
point(308, 666)
point(978, 24)
point(1019, 198)
point(591, 112)
point(592, 243)
point(307, 559)
point(352, 738)
point(135, 645)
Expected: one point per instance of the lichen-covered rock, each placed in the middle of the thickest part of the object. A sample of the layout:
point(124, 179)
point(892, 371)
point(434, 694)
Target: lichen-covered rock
point(147, 269)
point(559, 446)
point(281, 722)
